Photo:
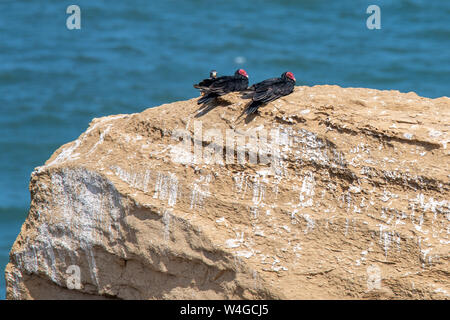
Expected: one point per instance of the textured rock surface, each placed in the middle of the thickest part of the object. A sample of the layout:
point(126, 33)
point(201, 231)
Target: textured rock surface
point(355, 206)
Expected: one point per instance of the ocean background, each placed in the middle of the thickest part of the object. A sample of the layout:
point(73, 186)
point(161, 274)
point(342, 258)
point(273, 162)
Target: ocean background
point(132, 55)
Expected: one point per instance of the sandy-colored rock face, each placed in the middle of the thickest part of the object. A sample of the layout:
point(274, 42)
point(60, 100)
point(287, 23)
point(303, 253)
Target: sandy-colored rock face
point(353, 203)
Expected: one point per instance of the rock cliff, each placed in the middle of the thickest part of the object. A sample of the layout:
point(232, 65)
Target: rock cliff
point(329, 193)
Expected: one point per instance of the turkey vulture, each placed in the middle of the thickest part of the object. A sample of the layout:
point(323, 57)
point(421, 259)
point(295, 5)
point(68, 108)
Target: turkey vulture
point(223, 85)
point(269, 90)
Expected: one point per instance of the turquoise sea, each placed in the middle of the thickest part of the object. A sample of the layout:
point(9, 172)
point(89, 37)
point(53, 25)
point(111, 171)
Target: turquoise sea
point(131, 55)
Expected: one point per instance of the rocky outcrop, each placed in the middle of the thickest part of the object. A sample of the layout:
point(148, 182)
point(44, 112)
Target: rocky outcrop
point(332, 194)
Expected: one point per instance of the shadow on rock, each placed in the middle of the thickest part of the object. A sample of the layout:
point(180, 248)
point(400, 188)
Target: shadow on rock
point(207, 107)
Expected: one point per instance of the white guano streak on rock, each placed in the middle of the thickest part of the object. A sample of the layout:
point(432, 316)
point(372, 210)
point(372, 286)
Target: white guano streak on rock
point(240, 184)
point(166, 221)
point(259, 192)
point(14, 280)
point(200, 191)
point(166, 187)
point(138, 179)
point(100, 139)
point(309, 223)
point(86, 212)
point(306, 195)
point(67, 154)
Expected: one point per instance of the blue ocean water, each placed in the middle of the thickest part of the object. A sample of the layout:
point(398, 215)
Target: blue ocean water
point(131, 55)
